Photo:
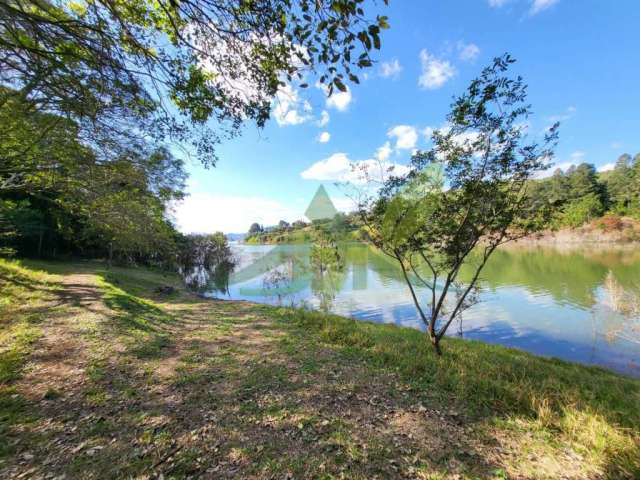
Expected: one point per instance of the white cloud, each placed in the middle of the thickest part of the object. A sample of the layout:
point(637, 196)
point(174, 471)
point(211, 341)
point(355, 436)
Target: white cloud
point(468, 138)
point(390, 69)
point(289, 109)
point(606, 167)
point(336, 167)
point(564, 166)
point(575, 159)
point(616, 145)
point(577, 156)
point(324, 137)
point(230, 61)
point(406, 136)
point(338, 100)
point(383, 152)
point(345, 204)
point(427, 132)
point(538, 6)
point(435, 72)
point(562, 117)
point(208, 213)
point(468, 52)
point(339, 168)
point(324, 119)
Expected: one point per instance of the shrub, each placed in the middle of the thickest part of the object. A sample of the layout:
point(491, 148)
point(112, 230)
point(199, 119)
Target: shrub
point(610, 223)
point(581, 211)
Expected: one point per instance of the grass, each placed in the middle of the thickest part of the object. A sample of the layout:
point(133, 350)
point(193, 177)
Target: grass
point(24, 294)
point(136, 383)
point(588, 408)
point(19, 327)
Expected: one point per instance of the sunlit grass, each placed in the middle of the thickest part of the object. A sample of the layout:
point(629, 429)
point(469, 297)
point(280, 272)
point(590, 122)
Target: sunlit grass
point(19, 326)
point(24, 294)
point(593, 410)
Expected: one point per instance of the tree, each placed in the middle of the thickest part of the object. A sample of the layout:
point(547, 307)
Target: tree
point(38, 151)
point(255, 229)
point(299, 224)
point(202, 257)
point(283, 225)
point(324, 255)
point(582, 210)
point(162, 69)
point(462, 198)
point(583, 181)
point(558, 188)
point(634, 180)
point(339, 224)
point(123, 205)
point(618, 184)
point(72, 196)
point(19, 222)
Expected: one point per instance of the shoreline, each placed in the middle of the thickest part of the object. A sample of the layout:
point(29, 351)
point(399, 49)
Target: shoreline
point(451, 336)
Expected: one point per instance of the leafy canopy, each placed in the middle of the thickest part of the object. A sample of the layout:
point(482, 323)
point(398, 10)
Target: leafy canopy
point(112, 65)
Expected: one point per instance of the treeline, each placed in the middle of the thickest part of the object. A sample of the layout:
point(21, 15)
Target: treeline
point(60, 197)
point(575, 196)
point(343, 226)
point(581, 194)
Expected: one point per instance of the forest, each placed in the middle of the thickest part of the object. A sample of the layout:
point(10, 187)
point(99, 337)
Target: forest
point(581, 194)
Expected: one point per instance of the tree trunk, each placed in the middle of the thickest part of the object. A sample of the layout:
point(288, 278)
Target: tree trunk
point(110, 254)
point(435, 343)
point(40, 242)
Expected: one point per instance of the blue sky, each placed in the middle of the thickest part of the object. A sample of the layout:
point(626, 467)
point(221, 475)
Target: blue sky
point(581, 59)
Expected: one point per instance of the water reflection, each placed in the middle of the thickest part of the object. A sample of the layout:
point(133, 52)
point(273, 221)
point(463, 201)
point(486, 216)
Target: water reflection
point(576, 304)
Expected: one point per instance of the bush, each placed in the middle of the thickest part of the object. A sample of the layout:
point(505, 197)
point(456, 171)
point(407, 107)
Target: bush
point(581, 211)
point(610, 223)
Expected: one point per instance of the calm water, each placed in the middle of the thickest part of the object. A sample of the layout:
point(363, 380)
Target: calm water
point(581, 305)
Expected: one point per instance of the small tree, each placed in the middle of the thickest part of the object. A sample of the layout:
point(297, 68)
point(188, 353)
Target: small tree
point(283, 225)
point(202, 258)
point(581, 211)
point(325, 255)
point(255, 229)
point(462, 198)
point(299, 224)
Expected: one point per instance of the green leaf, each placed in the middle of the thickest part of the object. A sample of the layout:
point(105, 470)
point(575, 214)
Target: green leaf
point(376, 41)
point(383, 22)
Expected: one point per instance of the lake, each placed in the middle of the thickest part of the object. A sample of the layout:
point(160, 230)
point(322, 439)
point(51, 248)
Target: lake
point(579, 304)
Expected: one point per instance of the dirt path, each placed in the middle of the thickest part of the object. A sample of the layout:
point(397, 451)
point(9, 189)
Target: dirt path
point(59, 358)
point(55, 375)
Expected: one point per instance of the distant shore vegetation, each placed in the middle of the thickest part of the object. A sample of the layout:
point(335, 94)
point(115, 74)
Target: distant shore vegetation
point(594, 205)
